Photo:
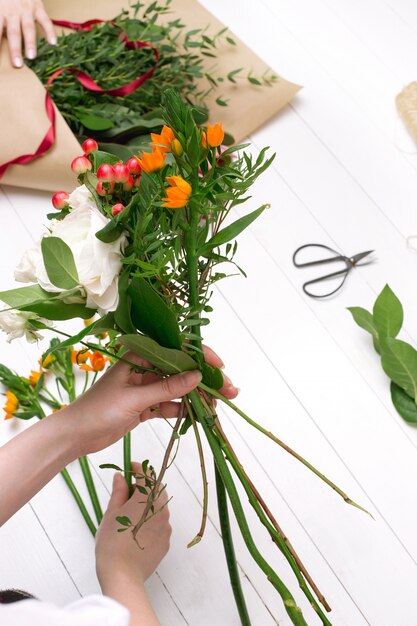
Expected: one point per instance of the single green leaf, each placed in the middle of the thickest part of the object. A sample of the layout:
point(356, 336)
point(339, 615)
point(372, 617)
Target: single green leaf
point(110, 232)
point(165, 359)
point(388, 313)
point(187, 423)
point(24, 296)
point(152, 316)
point(122, 313)
point(212, 376)
point(399, 361)
point(100, 157)
point(233, 230)
point(364, 319)
point(123, 520)
point(59, 263)
point(49, 305)
point(142, 490)
point(94, 122)
point(145, 464)
point(405, 406)
point(110, 466)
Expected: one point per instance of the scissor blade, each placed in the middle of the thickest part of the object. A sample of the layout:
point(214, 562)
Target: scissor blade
point(358, 257)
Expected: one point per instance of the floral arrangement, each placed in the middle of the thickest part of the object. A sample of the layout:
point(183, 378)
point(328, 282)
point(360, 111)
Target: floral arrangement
point(141, 244)
point(131, 51)
point(398, 358)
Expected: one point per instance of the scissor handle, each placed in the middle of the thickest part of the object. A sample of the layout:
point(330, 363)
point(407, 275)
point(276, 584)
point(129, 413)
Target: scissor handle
point(323, 278)
point(332, 259)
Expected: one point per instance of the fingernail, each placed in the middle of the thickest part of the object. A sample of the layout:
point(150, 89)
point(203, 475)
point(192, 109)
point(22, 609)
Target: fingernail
point(52, 41)
point(17, 62)
point(31, 54)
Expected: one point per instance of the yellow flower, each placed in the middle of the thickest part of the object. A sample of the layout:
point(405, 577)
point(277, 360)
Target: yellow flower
point(98, 362)
point(79, 356)
point(164, 140)
point(47, 361)
point(35, 376)
point(176, 147)
point(177, 194)
point(11, 405)
point(152, 161)
point(213, 136)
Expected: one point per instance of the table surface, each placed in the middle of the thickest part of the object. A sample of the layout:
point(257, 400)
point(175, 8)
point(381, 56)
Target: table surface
point(345, 176)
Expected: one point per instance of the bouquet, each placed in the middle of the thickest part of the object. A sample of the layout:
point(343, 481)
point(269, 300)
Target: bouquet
point(141, 244)
point(107, 78)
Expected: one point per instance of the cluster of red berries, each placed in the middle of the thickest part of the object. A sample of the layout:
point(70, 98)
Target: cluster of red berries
point(127, 175)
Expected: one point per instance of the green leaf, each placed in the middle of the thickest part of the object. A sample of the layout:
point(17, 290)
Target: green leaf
point(110, 466)
point(100, 157)
point(364, 319)
point(233, 230)
point(24, 296)
point(88, 330)
point(405, 406)
point(33, 298)
point(59, 263)
point(94, 122)
point(212, 376)
point(187, 423)
point(388, 313)
point(123, 520)
point(152, 316)
point(122, 313)
point(110, 232)
point(165, 359)
point(399, 361)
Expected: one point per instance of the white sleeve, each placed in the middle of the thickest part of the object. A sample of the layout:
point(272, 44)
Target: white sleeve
point(90, 611)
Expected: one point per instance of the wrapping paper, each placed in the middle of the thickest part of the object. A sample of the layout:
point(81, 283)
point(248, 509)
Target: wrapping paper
point(23, 122)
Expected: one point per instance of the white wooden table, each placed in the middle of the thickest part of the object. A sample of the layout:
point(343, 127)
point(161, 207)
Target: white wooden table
point(345, 175)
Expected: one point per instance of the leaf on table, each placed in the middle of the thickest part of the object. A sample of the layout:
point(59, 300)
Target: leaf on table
point(405, 406)
point(388, 313)
point(399, 361)
point(59, 263)
point(167, 360)
point(365, 320)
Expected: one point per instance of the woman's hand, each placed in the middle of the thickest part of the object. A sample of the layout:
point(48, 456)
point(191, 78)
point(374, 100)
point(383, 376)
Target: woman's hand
point(18, 18)
point(123, 398)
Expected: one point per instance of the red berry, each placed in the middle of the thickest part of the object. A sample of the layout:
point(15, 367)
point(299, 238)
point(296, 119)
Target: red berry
point(90, 145)
point(117, 208)
point(121, 173)
point(80, 165)
point(128, 185)
point(105, 173)
point(133, 166)
point(137, 181)
point(60, 199)
point(104, 189)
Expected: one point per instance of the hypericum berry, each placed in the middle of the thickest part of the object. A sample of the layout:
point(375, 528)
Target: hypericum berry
point(90, 145)
point(128, 185)
point(121, 173)
point(60, 199)
point(80, 165)
point(105, 173)
point(137, 181)
point(133, 166)
point(104, 189)
point(117, 208)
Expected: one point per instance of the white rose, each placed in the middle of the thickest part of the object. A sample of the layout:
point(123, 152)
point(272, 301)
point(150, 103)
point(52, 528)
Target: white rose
point(17, 324)
point(81, 197)
point(25, 271)
point(98, 264)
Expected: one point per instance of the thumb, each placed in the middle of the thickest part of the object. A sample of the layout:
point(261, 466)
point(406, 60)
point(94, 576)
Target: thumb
point(119, 495)
point(168, 388)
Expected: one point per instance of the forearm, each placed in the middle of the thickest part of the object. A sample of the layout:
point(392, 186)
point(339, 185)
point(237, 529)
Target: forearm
point(133, 596)
point(32, 459)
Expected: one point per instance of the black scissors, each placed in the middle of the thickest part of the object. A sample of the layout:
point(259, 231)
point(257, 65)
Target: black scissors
point(349, 262)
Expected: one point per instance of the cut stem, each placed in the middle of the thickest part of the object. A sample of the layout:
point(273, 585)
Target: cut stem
point(85, 468)
point(127, 461)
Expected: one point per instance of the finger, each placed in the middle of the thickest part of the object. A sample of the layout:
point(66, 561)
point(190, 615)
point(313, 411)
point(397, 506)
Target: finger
point(228, 390)
point(166, 410)
point(119, 495)
point(1, 29)
point(29, 36)
point(122, 370)
point(212, 358)
point(14, 40)
point(165, 389)
point(47, 26)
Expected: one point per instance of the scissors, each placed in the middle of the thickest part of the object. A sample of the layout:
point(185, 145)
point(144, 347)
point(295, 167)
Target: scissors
point(349, 262)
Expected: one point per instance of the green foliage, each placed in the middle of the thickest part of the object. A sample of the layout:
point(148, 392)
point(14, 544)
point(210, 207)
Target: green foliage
point(165, 359)
point(233, 230)
point(388, 313)
point(399, 361)
point(59, 263)
point(49, 305)
point(405, 406)
point(212, 376)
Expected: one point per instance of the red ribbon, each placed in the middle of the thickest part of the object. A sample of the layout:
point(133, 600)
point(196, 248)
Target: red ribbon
point(87, 82)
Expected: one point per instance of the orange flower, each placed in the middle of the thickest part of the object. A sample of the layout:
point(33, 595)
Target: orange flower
point(11, 405)
point(213, 136)
point(152, 161)
point(63, 406)
point(176, 147)
point(35, 376)
point(98, 362)
point(79, 356)
point(177, 194)
point(163, 141)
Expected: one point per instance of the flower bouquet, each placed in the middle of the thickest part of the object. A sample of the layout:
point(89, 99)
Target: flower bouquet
point(142, 244)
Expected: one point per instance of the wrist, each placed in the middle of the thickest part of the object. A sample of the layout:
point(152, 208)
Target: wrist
point(61, 425)
point(119, 579)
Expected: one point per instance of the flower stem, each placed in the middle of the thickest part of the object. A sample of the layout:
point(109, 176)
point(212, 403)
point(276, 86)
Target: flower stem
point(283, 445)
point(127, 461)
point(85, 468)
point(65, 475)
point(229, 550)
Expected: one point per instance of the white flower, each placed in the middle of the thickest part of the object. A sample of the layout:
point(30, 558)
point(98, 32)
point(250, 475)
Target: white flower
point(98, 264)
point(17, 324)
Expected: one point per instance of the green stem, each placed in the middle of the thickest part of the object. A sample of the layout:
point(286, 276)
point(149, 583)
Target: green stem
point(65, 475)
point(283, 445)
point(127, 461)
point(85, 468)
point(291, 607)
point(229, 550)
